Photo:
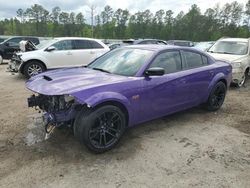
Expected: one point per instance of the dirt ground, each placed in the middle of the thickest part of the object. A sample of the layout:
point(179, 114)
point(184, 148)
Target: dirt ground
point(193, 148)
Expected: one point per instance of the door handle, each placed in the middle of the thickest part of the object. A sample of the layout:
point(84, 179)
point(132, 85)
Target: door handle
point(69, 53)
point(92, 52)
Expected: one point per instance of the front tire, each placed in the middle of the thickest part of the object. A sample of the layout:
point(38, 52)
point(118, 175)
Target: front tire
point(216, 97)
point(100, 129)
point(33, 68)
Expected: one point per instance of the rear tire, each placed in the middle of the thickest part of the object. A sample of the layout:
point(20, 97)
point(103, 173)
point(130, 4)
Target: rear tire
point(100, 129)
point(33, 68)
point(216, 97)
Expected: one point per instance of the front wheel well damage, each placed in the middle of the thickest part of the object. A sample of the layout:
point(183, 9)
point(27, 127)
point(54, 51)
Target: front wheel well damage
point(31, 60)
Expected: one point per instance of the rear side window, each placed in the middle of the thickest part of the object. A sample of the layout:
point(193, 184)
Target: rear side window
point(82, 44)
point(95, 44)
point(192, 60)
point(87, 44)
point(169, 61)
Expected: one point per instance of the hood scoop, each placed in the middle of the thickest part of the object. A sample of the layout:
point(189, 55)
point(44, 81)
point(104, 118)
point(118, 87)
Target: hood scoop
point(47, 78)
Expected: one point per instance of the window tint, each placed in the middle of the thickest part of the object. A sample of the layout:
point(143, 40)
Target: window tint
point(169, 61)
point(87, 44)
point(95, 44)
point(82, 44)
point(192, 60)
point(64, 45)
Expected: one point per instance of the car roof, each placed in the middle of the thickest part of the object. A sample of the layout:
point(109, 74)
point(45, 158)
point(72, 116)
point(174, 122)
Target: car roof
point(235, 39)
point(157, 47)
point(75, 38)
point(179, 41)
point(23, 37)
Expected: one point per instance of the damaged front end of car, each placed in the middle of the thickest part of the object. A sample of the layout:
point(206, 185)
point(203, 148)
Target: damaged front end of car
point(58, 110)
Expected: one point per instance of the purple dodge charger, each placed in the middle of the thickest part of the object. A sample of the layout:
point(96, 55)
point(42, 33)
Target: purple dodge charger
point(125, 87)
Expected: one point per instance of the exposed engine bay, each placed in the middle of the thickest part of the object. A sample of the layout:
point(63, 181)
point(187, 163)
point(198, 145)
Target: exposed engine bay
point(50, 104)
point(58, 110)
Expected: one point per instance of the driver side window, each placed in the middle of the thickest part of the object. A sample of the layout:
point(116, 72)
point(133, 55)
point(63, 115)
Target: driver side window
point(64, 45)
point(169, 61)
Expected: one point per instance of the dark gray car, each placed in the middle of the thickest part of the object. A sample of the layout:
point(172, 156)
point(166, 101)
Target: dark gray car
point(11, 45)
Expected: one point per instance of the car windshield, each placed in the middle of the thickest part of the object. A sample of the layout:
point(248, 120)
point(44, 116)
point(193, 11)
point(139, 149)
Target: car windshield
point(203, 45)
point(2, 40)
point(126, 61)
point(46, 43)
point(230, 47)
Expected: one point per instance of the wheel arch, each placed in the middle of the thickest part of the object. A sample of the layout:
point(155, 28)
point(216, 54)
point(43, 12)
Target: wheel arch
point(219, 77)
point(223, 80)
point(28, 61)
point(119, 105)
point(106, 98)
point(247, 70)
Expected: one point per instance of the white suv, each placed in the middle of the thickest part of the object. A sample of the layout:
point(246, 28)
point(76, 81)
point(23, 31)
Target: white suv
point(237, 52)
point(57, 53)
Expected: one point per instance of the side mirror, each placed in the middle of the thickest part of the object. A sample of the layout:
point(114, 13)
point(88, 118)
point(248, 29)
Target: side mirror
point(155, 71)
point(7, 44)
point(51, 48)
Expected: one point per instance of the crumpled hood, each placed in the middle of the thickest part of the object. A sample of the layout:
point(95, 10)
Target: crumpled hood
point(69, 81)
point(227, 57)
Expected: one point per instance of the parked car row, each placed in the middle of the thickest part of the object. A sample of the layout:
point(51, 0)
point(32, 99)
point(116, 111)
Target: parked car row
point(72, 52)
point(150, 41)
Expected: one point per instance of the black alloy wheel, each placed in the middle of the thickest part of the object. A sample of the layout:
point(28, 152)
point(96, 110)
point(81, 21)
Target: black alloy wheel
point(100, 129)
point(106, 130)
point(216, 97)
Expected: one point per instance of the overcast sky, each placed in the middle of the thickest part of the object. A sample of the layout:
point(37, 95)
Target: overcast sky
point(8, 8)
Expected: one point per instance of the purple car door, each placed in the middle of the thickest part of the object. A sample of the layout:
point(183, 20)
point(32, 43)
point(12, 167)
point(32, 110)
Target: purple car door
point(165, 94)
point(185, 83)
point(197, 74)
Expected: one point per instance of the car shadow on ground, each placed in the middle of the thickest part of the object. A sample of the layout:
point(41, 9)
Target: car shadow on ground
point(64, 145)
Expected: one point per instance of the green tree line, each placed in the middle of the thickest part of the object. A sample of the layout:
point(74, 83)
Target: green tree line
point(231, 19)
